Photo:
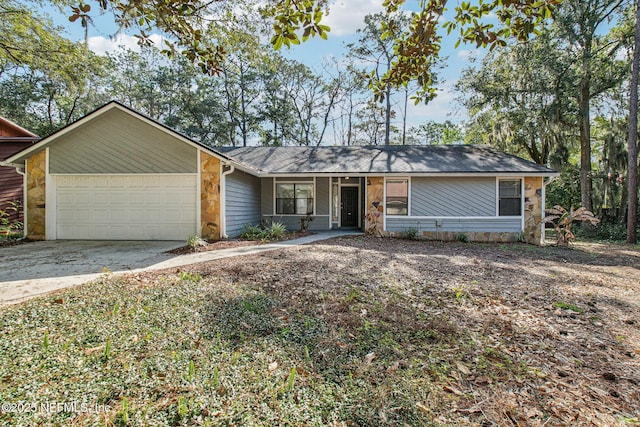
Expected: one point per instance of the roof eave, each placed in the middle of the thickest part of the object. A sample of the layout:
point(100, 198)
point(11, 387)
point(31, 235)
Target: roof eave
point(20, 156)
point(414, 174)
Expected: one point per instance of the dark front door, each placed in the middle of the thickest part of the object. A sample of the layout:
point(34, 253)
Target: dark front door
point(349, 207)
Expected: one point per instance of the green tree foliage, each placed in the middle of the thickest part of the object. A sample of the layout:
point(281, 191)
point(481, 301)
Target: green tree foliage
point(519, 100)
point(293, 21)
point(578, 25)
point(46, 81)
point(434, 133)
point(632, 219)
point(375, 49)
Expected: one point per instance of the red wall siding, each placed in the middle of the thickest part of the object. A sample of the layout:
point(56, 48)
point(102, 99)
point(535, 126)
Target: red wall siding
point(11, 183)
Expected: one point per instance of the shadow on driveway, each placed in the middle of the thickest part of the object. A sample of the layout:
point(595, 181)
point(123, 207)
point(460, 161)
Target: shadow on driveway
point(39, 267)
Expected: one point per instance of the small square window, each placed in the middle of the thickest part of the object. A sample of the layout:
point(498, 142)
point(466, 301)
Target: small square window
point(397, 202)
point(510, 197)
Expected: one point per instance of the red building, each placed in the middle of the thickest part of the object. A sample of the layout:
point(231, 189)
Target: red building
point(13, 138)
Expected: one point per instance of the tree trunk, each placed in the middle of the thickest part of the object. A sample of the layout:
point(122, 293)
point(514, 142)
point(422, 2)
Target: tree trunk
point(633, 138)
point(404, 118)
point(585, 144)
point(387, 116)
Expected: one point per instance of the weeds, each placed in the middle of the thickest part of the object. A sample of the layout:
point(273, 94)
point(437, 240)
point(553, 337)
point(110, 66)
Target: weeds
point(187, 276)
point(11, 228)
point(254, 343)
point(459, 292)
point(195, 243)
point(410, 233)
point(567, 306)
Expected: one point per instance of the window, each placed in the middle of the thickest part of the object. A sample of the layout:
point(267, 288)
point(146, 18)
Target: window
point(510, 197)
point(397, 197)
point(294, 199)
point(335, 204)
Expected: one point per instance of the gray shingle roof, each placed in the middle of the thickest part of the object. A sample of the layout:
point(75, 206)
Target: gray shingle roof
point(381, 159)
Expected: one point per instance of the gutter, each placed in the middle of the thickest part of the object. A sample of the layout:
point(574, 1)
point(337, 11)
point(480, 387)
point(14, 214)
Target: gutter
point(223, 200)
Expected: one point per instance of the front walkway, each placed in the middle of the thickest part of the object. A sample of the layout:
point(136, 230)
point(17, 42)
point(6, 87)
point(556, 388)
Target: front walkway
point(21, 279)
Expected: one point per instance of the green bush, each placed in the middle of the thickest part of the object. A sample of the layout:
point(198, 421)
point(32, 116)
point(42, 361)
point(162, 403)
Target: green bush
point(10, 228)
point(252, 232)
point(275, 231)
point(462, 237)
point(611, 232)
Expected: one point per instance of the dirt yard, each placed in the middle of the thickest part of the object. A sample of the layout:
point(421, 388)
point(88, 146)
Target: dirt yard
point(352, 331)
point(560, 327)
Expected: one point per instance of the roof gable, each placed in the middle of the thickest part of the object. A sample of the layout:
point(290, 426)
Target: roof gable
point(10, 129)
point(19, 158)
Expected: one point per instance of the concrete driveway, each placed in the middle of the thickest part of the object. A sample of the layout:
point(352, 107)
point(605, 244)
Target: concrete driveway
point(35, 268)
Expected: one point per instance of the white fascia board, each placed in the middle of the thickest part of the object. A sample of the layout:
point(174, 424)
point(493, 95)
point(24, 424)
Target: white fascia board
point(48, 140)
point(405, 175)
point(112, 105)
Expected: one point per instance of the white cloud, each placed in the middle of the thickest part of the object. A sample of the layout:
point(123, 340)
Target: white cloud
point(101, 45)
point(346, 16)
point(443, 107)
point(467, 54)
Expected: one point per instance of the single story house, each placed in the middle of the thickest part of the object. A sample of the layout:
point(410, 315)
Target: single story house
point(116, 174)
point(13, 138)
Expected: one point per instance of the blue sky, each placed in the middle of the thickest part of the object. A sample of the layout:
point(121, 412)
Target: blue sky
point(345, 17)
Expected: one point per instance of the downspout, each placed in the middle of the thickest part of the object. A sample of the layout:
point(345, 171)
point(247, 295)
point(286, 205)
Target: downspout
point(24, 197)
point(223, 200)
point(544, 206)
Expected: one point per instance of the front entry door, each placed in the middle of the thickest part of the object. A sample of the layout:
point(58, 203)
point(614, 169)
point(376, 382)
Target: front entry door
point(349, 207)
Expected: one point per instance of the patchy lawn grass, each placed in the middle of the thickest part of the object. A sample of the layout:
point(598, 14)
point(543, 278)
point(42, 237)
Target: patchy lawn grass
point(352, 331)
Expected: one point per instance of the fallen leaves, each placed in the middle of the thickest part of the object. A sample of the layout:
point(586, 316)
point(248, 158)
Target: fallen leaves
point(352, 327)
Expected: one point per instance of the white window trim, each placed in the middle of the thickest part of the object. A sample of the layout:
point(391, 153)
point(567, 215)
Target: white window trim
point(511, 178)
point(275, 196)
point(384, 202)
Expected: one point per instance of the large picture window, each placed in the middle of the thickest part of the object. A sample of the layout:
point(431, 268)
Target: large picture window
point(510, 197)
point(397, 197)
point(294, 199)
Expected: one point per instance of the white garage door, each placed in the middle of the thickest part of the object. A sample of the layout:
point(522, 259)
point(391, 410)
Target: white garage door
point(125, 207)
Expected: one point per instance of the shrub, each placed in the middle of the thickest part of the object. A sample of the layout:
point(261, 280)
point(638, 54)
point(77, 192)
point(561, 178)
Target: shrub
point(252, 232)
point(563, 220)
point(196, 242)
point(611, 232)
point(462, 237)
point(304, 223)
point(7, 226)
point(276, 231)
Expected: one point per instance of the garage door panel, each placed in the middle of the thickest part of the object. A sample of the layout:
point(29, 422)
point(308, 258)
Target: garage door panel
point(126, 207)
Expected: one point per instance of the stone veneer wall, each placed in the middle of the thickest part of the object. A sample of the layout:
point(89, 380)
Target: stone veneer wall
point(209, 196)
point(374, 221)
point(471, 236)
point(36, 196)
point(533, 210)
